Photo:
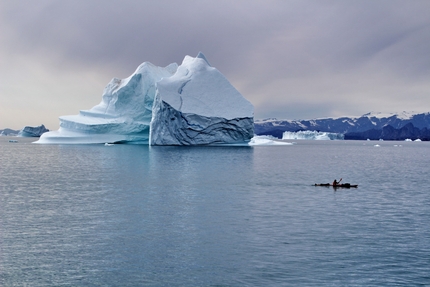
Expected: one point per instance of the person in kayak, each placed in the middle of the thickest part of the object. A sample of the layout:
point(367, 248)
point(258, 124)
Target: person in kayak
point(336, 182)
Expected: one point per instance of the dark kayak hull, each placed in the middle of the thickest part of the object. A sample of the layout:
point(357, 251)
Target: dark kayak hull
point(344, 185)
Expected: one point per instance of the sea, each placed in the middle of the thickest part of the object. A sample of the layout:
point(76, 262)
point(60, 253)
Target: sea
point(134, 215)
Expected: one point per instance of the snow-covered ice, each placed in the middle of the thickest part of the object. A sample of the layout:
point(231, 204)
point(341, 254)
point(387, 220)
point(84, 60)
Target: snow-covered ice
point(379, 115)
point(193, 104)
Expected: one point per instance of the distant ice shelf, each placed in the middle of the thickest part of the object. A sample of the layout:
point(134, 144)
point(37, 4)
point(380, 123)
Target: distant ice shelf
point(311, 135)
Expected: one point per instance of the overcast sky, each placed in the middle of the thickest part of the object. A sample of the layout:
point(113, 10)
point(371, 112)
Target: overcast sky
point(291, 59)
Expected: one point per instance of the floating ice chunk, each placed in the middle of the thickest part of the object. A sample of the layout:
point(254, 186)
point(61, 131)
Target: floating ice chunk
point(266, 140)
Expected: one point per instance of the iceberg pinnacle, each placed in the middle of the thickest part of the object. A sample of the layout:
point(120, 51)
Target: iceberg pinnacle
point(190, 104)
point(201, 56)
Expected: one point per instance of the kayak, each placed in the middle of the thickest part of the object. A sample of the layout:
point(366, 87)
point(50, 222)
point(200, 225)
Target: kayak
point(345, 185)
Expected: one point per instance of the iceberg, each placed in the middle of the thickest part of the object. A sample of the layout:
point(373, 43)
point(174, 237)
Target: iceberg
point(190, 104)
point(311, 135)
point(32, 131)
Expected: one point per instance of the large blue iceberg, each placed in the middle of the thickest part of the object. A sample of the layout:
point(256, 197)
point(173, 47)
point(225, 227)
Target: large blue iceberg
point(193, 104)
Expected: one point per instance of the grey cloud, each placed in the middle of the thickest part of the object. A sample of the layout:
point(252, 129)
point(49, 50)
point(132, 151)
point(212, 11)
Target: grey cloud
point(288, 54)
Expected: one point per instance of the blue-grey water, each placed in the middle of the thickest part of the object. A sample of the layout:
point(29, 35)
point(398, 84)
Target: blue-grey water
point(131, 215)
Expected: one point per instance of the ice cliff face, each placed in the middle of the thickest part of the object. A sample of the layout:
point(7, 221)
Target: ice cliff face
point(197, 106)
point(191, 104)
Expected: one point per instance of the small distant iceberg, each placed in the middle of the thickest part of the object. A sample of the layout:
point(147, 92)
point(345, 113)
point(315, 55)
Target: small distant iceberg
point(266, 140)
point(8, 132)
point(29, 132)
point(311, 135)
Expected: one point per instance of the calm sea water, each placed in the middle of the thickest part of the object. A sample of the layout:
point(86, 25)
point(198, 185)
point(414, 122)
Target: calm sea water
point(129, 215)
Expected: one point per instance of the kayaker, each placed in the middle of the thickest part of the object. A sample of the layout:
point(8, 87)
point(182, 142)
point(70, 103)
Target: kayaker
point(336, 182)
